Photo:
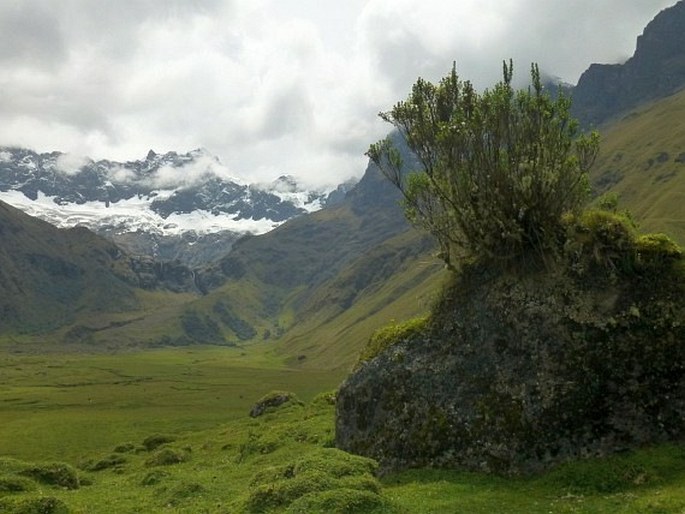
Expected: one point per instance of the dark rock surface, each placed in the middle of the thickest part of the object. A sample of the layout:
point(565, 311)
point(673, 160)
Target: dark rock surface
point(520, 373)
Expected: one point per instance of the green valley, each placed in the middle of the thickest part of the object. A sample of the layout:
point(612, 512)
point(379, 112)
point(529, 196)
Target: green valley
point(129, 385)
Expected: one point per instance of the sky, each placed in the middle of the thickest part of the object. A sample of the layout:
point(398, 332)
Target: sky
point(271, 87)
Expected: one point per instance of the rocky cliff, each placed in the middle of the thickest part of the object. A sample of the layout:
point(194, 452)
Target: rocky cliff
point(656, 70)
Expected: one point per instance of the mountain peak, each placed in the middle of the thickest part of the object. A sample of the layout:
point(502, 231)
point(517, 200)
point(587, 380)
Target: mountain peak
point(150, 205)
point(656, 70)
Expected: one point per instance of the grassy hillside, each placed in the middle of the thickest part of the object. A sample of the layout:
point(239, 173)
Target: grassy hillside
point(643, 160)
point(318, 286)
point(49, 277)
point(313, 289)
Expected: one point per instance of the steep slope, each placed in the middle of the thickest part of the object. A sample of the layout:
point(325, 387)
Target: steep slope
point(47, 276)
point(643, 160)
point(50, 278)
point(656, 70)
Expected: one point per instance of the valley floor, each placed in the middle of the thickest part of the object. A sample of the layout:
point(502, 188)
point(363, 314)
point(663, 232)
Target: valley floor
point(168, 431)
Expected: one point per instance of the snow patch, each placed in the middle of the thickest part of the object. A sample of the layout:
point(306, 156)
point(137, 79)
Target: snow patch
point(132, 215)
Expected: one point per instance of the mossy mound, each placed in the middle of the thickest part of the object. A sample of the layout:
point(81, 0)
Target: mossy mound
point(167, 456)
point(272, 401)
point(326, 481)
point(56, 474)
point(40, 505)
point(519, 371)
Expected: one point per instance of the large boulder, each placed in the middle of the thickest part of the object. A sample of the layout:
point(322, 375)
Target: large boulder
point(521, 371)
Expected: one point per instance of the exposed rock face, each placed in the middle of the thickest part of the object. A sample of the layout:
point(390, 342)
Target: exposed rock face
point(520, 373)
point(656, 70)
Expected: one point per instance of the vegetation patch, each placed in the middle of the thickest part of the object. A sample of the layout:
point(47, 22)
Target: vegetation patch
point(56, 474)
point(42, 505)
point(182, 492)
point(391, 334)
point(167, 456)
point(154, 477)
point(154, 441)
point(115, 460)
point(277, 488)
point(15, 484)
point(272, 401)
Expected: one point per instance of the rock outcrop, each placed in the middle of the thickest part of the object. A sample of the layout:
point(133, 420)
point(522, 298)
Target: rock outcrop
point(520, 372)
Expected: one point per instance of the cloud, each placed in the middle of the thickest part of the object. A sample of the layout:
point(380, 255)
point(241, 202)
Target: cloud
point(272, 87)
point(202, 167)
point(70, 164)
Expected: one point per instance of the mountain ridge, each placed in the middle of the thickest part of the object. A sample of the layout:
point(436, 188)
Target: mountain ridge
point(655, 70)
point(168, 206)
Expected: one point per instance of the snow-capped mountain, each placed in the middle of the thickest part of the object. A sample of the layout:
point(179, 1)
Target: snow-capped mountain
point(170, 205)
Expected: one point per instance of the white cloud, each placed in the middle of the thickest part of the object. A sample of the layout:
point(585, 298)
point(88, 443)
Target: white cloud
point(70, 164)
point(202, 167)
point(271, 86)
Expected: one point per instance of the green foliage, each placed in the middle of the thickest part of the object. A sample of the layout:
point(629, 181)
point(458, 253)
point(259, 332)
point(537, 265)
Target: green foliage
point(154, 477)
point(57, 474)
point(213, 482)
point(657, 250)
point(274, 400)
point(340, 501)
point(302, 483)
point(182, 492)
point(201, 328)
point(114, 460)
point(391, 334)
point(15, 484)
point(497, 169)
point(41, 505)
point(603, 241)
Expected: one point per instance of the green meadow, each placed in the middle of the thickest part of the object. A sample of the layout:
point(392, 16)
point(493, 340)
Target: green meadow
point(168, 431)
point(66, 406)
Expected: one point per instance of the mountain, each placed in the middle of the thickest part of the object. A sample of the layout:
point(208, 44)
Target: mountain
point(168, 206)
point(656, 70)
point(335, 274)
point(51, 278)
point(318, 285)
point(642, 159)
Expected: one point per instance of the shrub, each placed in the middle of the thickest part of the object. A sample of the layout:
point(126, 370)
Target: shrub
point(338, 501)
point(273, 400)
point(496, 171)
point(325, 470)
point(183, 491)
point(111, 461)
point(14, 484)
point(154, 477)
point(124, 448)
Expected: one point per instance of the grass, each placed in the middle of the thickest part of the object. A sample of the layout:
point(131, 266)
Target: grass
point(651, 480)
point(281, 461)
point(69, 406)
point(640, 159)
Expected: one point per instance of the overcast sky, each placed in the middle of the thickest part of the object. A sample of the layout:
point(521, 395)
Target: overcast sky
point(271, 86)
